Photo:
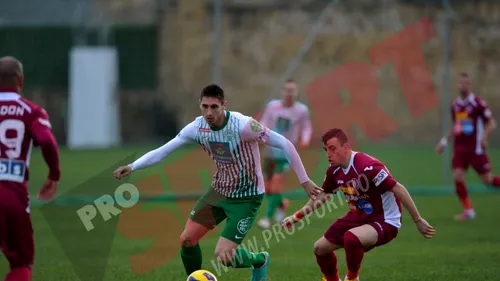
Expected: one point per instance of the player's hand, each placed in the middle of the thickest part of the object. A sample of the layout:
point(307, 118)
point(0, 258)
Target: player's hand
point(439, 148)
point(288, 222)
point(484, 143)
point(425, 228)
point(122, 172)
point(311, 189)
point(48, 190)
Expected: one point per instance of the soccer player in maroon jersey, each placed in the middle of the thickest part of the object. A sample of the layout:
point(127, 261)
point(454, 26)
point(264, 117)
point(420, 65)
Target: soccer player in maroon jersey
point(374, 198)
point(472, 125)
point(22, 124)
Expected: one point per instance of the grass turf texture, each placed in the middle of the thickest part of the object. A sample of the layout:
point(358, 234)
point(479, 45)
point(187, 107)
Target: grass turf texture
point(460, 251)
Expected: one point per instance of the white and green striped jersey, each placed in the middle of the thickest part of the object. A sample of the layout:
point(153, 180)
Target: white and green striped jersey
point(237, 159)
point(234, 147)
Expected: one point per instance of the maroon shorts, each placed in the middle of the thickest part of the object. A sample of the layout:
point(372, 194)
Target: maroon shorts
point(16, 231)
point(462, 160)
point(335, 233)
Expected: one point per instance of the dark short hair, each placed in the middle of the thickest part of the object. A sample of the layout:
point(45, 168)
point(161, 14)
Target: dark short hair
point(335, 133)
point(290, 80)
point(464, 74)
point(213, 91)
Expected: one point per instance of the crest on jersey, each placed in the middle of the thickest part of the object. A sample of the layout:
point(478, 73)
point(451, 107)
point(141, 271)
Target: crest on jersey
point(229, 134)
point(255, 126)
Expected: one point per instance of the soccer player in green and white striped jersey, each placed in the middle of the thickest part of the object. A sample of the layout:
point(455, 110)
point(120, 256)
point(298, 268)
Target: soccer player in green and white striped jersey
point(232, 140)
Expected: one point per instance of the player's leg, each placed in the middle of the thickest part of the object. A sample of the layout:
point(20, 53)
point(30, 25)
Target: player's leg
point(17, 242)
point(362, 239)
point(332, 239)
point(202, 219)
point(240, 218)
point(460, 164)
point(327, 259)
point(276, 204)
point(282, 169)
point(482, 165)
point(356, 240)
point(269, 168)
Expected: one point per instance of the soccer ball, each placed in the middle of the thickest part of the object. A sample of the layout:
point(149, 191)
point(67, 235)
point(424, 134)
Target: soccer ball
point(201, 275)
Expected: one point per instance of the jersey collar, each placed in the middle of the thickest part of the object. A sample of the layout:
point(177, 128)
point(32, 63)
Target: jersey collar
point(351, 163)
point(226, 119)
point(470, 98)
point(8, 95)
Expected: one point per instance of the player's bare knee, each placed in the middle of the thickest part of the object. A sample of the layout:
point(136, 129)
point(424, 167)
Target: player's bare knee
point(458, 175)
point(318, 250)
point(186, 240)
point(321, 248)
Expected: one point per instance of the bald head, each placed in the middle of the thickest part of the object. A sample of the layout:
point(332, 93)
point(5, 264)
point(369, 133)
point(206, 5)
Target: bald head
point(11, 73)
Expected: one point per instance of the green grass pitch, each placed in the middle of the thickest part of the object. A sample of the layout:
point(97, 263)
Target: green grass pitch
point(459, 251)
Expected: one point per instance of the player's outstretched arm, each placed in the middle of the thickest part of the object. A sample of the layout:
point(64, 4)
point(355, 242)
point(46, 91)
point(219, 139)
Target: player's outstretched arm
point(254, 131)
point(404, 196)
point(153, 157)
point(308, 208)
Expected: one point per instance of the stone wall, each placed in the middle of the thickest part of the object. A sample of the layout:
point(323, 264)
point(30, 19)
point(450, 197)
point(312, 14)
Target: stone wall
point(259, 42)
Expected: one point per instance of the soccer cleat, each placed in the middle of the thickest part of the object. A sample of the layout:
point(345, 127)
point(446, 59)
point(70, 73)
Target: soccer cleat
point(347, 279)
point(264, 223)
point(466, 215)
point(324, 279)
point(260, 274)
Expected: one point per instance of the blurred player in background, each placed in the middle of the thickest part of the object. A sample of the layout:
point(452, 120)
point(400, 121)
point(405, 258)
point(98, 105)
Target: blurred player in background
point(22, 124)
point(472, 125)
point(289, 118)
point(232, 140)
point(374, 198)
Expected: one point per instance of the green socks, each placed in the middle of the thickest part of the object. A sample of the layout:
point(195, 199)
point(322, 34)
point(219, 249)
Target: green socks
point(191, 258)
point(274, 202)
point(244, 258)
